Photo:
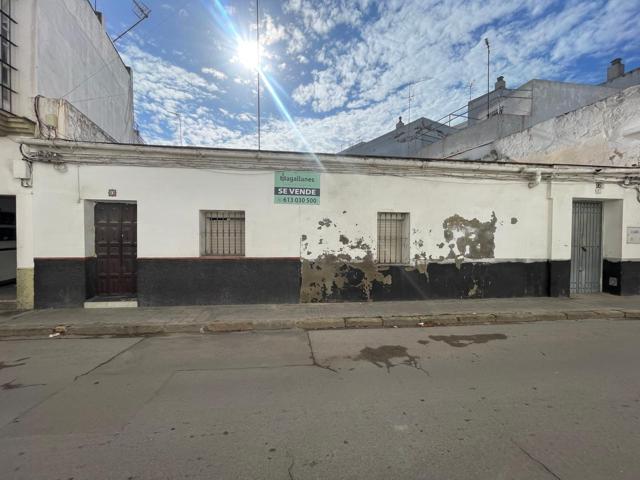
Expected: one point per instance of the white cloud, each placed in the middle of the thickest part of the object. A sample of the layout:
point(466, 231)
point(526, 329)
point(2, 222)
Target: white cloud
point(322, 17)
point(270, 32)
point(217, 74)
point(296, 41)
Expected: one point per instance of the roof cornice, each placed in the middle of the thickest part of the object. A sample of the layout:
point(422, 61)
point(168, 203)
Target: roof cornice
point(90, 153)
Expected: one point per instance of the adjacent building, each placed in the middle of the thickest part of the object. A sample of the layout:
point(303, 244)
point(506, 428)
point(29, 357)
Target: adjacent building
point(183, 226)
point(406, 140)
point(523, 123)
point(61, 78)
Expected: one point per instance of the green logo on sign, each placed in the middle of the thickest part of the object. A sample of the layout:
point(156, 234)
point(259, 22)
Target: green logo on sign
point(297, 188)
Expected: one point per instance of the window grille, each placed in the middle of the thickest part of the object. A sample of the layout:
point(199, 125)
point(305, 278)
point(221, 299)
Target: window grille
point(6, 66)
point(393, 238)
point(222, 233)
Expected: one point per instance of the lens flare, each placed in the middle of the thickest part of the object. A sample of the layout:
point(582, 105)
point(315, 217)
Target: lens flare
point(247, 54)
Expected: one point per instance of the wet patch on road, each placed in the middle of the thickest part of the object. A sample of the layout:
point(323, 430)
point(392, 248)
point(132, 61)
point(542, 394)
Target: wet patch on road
point(381, 357)
point(465, 340)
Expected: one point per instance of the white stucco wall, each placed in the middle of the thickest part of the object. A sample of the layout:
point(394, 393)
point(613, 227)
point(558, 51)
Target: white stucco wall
point(404, 141)
point(61, 44)
point(475, 141)
point(604, 133)
point(535, 102)
point(550, 98)
point(169, 201)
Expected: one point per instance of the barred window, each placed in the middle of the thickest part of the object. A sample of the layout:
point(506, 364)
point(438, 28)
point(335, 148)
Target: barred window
point(6, 66)
point(222, 233)
point(393, 238)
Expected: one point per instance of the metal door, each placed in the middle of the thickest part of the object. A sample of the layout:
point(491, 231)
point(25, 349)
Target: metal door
point(586, 247)
point(116, 248)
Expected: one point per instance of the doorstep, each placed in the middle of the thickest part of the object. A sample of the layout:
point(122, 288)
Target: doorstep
point(111, 302)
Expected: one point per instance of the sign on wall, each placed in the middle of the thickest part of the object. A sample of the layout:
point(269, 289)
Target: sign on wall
point(633, 234)
point(297, 188)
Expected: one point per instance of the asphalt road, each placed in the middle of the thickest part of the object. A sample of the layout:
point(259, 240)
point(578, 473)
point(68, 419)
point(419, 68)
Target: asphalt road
point(529, 401)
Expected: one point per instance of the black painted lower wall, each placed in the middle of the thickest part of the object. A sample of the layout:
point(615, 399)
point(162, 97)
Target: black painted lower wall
point(621, 277)
point(204, 281)
point(559, 278)
point(471, 280)
point(440, 281)
point(59, 282)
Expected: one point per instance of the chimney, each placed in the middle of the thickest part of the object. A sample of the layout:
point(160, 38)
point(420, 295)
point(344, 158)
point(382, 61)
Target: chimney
point(615, 70)
point(400, 123)
point(500, 83)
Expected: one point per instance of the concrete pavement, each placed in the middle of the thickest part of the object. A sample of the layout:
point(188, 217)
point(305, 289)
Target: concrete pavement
point(224, 318)
point(537, 400)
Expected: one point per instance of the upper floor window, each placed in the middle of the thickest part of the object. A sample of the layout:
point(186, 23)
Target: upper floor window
point(6, 54)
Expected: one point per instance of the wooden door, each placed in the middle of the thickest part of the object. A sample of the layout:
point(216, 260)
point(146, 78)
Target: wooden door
point(116, 248)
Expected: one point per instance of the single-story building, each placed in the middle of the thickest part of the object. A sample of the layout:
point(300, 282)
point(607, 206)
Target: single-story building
point(185, 226)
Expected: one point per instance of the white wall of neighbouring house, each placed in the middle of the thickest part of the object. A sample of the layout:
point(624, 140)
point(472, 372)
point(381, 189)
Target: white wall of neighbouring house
point(604, 133)
point(64, 52)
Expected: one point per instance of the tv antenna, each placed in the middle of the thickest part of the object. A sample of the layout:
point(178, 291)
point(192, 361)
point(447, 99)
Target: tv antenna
point(486, 42)
point(141, 11)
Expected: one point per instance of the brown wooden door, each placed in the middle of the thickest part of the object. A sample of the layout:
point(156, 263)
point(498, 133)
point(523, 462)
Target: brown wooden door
point(116, 248)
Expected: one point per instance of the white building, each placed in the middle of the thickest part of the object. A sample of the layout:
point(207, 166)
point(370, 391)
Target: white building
point(61, 77)
point(474, 132)
point(184, 225)
point(606, 132)
point(407, 140)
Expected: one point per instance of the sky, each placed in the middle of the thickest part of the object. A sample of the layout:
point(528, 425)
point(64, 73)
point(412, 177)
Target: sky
point(337, 72)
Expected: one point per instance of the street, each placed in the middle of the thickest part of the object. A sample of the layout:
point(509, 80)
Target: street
point(539, 400)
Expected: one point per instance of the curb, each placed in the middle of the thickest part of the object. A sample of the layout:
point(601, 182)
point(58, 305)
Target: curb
point(225, 326)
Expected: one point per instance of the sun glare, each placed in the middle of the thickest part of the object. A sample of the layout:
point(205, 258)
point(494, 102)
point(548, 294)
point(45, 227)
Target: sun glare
point(247, 54)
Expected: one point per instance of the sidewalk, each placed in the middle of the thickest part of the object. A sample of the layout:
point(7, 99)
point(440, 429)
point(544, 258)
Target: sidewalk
point(226, 318)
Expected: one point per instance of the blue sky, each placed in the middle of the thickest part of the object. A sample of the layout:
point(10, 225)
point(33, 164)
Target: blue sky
point(336, 72)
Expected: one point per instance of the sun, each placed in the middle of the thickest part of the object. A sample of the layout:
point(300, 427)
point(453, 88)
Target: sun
point(247, 54)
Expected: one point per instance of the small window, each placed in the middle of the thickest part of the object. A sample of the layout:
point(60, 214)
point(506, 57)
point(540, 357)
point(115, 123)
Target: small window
point(393, 238)
point(222, 233)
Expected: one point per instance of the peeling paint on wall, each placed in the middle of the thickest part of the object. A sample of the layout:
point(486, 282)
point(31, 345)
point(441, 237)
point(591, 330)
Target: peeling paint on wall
point(472, 238)
point(327, 276)
point(475, 290)
point(343, 265)
point(325, 222)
